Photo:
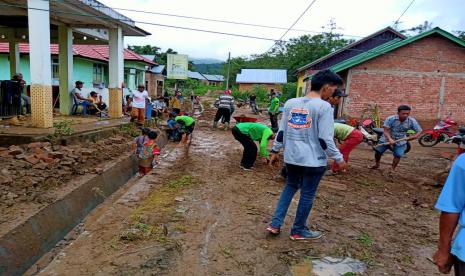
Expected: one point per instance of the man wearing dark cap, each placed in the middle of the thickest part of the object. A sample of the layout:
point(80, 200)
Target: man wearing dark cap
point(79, 99)
point(336, 97)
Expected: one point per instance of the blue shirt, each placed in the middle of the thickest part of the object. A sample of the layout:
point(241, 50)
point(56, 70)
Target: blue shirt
point(399, 129)
point(171, 123)
point(452, 200)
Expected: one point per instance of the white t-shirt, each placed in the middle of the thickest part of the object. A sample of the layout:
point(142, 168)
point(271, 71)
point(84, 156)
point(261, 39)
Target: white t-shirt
point(138, 100)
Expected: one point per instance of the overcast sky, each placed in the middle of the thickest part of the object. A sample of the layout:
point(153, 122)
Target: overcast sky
point(354, 17)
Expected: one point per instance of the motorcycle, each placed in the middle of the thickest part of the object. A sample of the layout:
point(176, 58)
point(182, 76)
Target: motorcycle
point(458, 139)
point(440, 132)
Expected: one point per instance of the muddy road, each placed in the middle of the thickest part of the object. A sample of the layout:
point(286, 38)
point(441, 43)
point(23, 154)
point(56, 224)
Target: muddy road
point(200, 214)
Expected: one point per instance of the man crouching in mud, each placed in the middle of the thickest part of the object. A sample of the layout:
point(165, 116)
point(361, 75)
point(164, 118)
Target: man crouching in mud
point(307, 137)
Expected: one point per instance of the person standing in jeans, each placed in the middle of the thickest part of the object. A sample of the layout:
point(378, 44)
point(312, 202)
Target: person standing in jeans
point(247, 134)
point(225, 104)
point(306, 133)
point(273, 110)
point(451, 203)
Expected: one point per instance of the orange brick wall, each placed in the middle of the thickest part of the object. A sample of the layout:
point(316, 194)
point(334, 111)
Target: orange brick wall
point(248, 86)
point(395, 78)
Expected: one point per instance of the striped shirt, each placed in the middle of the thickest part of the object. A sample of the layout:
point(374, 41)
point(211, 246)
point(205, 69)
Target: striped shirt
point(226, 101)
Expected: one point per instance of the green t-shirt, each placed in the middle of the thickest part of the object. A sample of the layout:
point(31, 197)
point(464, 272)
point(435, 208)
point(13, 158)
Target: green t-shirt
point(188, 121)
point(341, 131)
point(274, 105)
point(257, 132)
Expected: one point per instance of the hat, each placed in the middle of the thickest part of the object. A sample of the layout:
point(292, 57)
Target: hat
point(79, 82)
point(339, 93)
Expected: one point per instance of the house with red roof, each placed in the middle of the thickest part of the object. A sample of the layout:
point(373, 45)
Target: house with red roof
point(90, 65)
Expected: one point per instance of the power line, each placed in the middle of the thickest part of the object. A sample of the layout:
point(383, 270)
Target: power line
point(213, 20)
point(397, 21)
point(147, 23)
point(293, 24)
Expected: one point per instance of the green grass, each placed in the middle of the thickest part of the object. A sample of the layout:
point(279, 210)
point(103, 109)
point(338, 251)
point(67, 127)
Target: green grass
point(365, 240)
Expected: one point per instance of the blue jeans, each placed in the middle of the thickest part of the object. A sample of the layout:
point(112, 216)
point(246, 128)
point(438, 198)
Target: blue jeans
point(306, 179)
point(85, 104)
point(397, 151)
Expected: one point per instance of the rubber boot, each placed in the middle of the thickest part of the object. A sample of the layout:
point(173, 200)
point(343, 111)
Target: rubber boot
point(215, 125)
point(226, 126)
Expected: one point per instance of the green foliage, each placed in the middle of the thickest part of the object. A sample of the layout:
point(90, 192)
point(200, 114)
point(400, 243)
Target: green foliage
point(181, 182)
point(259, 90)
point(289, 90)
point(189, 85)
point(365, 240)
point(62, 128)
point(160, 57)
point(293, 54)
point(425, 26)
point(460, 34)
point(212, 68)
point(145, 50)
point(130, 129)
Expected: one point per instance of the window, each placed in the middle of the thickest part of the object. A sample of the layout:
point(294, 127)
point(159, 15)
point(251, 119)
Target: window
point(98, 73)
point(55, 69)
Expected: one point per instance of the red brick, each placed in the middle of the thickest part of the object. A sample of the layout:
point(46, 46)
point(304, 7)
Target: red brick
point(34, 145)
point(31, 159)
point(15, 150)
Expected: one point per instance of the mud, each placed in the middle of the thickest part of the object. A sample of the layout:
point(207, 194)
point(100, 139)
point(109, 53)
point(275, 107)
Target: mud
point(200, 214)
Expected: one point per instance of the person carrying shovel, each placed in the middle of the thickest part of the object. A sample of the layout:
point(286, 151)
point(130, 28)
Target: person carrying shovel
point(395, 136)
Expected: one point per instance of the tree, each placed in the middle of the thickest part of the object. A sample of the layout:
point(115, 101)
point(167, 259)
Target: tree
point(425, 26)
point(460, 34)
point(145, 50)
point(292, 54)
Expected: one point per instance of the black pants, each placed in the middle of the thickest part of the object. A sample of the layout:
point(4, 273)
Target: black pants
point(250, 149)
point(459, 267)
point(274, 122)
point(223, 112)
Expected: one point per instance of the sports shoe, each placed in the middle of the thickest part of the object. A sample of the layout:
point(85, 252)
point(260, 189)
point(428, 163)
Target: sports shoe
point(306, 235)
point(272, 230)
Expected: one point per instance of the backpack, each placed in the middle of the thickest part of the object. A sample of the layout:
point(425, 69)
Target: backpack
point(147, 150)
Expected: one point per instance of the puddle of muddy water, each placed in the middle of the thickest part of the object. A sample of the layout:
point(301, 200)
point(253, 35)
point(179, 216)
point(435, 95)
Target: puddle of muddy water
point(330, 266)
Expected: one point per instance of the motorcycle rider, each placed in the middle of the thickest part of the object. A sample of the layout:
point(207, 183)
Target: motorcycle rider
point(395, 128)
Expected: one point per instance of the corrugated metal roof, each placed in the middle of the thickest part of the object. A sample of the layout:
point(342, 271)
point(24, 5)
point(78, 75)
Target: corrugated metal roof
point(262, 76)
point(351, 45)
point(214, 77)
point(195, 75)
point(158, 69)
point(150, 57)
point(390, 46)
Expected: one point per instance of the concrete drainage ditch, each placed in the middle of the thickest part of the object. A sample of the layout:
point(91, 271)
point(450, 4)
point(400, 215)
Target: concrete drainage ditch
point(23, 245)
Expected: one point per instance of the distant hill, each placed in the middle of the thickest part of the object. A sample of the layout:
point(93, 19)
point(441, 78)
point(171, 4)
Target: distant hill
point(212, 69)
point(205, 60)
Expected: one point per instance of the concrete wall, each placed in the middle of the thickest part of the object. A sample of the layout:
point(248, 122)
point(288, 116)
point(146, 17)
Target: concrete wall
point(431, 88)
point(5, 73)
point(82, 69)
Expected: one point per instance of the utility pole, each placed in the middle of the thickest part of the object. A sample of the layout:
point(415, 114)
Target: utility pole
point(229, 69)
